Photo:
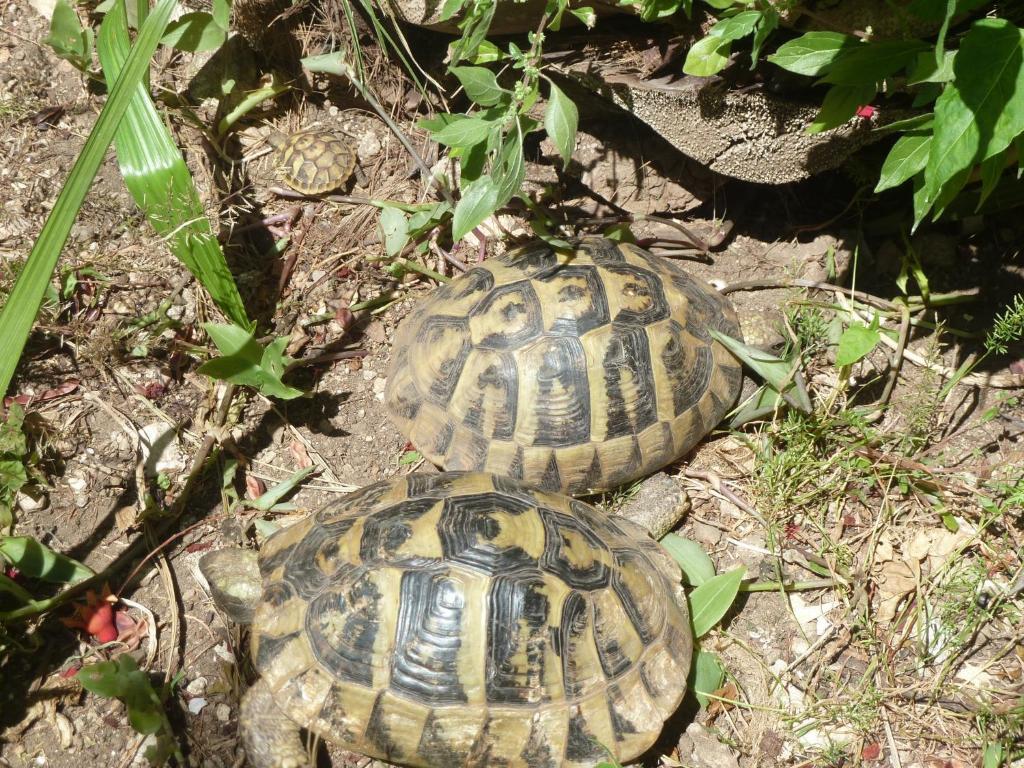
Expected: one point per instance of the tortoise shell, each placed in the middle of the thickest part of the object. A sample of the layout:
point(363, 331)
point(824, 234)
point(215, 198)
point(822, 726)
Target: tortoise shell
point(465, 619)
point(313, 161)
point(574, 371)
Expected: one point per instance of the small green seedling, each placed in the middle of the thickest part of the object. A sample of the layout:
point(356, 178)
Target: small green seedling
point(122, 679)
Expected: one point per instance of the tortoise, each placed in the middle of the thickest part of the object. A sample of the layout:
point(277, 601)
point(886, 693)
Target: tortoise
point(458, 619)
point(313, 161)
point(576, 371)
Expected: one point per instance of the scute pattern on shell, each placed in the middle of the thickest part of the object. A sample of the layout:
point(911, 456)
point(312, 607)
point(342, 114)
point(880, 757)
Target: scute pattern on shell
point(472, 620)
point(575, 372)
point(314, 161)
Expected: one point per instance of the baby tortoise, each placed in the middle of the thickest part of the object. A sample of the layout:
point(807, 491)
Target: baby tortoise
point(460, 619)
point(576, 371)
point(313, 161)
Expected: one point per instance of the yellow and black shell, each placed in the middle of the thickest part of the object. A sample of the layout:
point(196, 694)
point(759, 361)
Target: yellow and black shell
point(466, 619)
point(313, 161)
point(574, 371)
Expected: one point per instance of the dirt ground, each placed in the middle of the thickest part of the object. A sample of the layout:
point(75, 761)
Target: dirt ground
point(798, 662)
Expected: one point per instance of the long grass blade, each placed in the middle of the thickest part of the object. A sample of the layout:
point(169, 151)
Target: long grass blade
point(159, 180)
point(22, 305)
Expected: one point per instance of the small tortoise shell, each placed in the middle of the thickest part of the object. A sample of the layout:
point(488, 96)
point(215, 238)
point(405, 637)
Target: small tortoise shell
point(313, 161)
point(574, 371)
point(466, 619)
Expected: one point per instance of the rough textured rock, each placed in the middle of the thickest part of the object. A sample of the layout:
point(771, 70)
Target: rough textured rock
point(746, 134)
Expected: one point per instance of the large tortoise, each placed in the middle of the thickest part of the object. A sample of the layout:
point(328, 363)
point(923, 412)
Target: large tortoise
point(574, 371)
point(460, 619)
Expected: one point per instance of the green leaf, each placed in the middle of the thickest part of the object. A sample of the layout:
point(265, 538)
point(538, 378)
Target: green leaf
point(271, 496)
point(122, 679)
point(782, 375)
point(464, 132)
point(479, 200)
point(450, 8)
point(561, 120)
point(481, 85)
point(691, 557)
point(195, 32)
point(736, 27)
point(159, 181)
point(871, 62)
point(19, 312)
point(908, 157)
point(991, 172)
point(856, 342)
point(40, 562)
point(222, 13)
point(708, 676)
point(707, 56)
point(840, 104)
point(585, 15)
point(978, 115)
point(246, 363)
point(510, 169)
point(711, 600)
point(813, 53)
point(68, 38)
point(12, 436)
point(394, 230)
point(927, 70)
point(768, 23)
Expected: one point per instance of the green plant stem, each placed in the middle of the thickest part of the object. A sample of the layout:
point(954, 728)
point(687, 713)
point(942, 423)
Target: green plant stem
point(9, 585)
point(250, 102)
point(787, 586)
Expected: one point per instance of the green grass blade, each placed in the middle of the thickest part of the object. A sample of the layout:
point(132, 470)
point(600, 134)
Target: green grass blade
point(159, 181)
point(22, 305)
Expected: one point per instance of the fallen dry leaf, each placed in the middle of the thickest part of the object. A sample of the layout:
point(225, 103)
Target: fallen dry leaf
point(298, 451)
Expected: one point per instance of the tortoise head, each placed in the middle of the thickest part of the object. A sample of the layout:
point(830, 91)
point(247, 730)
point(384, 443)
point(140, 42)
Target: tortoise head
point(235, 583)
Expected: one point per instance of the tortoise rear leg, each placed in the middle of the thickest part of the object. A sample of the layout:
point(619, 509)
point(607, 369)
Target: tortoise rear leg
point(271, 739)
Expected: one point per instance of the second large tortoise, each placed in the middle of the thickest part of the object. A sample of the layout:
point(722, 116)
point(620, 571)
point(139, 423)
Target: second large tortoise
point(458, 620)
point(574, 371)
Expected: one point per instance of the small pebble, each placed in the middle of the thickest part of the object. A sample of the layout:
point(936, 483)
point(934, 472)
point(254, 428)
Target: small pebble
point(196, 687)
point(223, 712)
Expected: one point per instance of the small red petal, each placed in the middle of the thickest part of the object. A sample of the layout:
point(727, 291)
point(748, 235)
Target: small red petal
point(408, 447)
point(871, 751)
point(867, 111)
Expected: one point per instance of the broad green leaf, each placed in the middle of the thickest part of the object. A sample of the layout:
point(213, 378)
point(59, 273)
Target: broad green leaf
point(12, 435)
point(561, 119)
point(992, 757)
point(840, 104)
point(991, 171)
point(856, 342)
point(19, 312)
point(691, 557)
point(481, 85)
point(736, 27)
point(927, 70)
point(908, 157)
point(68, 38)
point(40, 562)
point(870, 62)
point(464, 133)
point(222, 13)
point(246, 363)
point(159, 180)
point(722, 5)
point(916, 123)
point(479, 200)
point(651, 10)
point(708, 676)
point(195, 32)
point(394, 230)
point(122, 679)
point(711, 600)
point(486, 53)
point(707, 56)
point(813, 53)
point(979, 114)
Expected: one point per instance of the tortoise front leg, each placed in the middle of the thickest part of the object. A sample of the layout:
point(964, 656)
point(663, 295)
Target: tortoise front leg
point(271, 739)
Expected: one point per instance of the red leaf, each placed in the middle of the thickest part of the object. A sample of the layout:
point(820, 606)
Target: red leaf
point(871, 751)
